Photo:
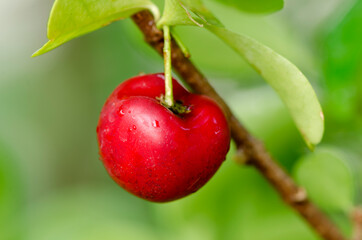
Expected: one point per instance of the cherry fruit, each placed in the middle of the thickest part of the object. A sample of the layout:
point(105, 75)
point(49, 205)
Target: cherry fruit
point(156, 153)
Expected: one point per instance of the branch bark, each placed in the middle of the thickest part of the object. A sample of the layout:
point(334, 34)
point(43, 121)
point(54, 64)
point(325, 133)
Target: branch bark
point(253, 150)
point(357, 220)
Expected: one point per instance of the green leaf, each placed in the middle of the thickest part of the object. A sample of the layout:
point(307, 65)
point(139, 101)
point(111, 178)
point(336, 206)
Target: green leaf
point(342, 62)
point(70, 19)
point(327, 179)
point(286, 79)
point(255, 6)
point(200, 10)
point(186, 12)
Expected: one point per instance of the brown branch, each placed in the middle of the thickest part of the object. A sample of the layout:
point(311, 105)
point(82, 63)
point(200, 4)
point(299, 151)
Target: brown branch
point(357, 220)
point(253, 149)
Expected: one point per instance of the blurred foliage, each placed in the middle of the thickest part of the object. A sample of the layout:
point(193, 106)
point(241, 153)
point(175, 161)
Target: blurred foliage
point(256, 6)
point(332, 188)
point(11, 194)
point(343, 62)
point(52, 185)
point(96, 212)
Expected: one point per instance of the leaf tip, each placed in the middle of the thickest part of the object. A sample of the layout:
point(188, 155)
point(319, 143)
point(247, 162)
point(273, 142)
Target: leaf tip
point(311, 146)
point(311, 140)
point(35, 54)
point(46, 48)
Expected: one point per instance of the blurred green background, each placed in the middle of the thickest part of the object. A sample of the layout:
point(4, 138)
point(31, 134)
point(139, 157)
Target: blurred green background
point(53, 186)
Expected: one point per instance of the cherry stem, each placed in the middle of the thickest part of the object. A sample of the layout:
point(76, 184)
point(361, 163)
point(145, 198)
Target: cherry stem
point(168, 68)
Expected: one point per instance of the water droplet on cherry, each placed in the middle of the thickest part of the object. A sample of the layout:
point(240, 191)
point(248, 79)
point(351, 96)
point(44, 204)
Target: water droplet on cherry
point(111, 118)
point(155, 124)
point(121, 111)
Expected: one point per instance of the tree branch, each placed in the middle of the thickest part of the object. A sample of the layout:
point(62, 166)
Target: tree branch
point(253, 150)
point(357, 220)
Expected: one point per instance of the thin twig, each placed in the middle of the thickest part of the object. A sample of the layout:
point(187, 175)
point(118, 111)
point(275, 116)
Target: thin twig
point(357, 226)
point(253, 149)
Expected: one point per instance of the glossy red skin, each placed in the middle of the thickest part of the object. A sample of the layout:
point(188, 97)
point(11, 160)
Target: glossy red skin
point(152, 152)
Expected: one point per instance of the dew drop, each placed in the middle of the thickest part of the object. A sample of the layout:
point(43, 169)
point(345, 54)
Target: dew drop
point(134, 127)
point(121, 111)
point(217, 131)
point(155, 124)
point(111, 118)
point(106, 134)
point(106, 130)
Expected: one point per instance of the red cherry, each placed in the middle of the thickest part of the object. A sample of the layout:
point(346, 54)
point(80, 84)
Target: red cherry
point(157, 154)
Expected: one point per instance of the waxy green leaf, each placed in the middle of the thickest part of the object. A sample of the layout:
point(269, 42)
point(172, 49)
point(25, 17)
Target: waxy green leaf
point(286, 79)
point(327, 179)
point(255, 6)
point(70, 19)
point(187, 12)
point(200, 10)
